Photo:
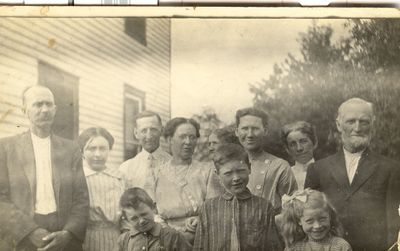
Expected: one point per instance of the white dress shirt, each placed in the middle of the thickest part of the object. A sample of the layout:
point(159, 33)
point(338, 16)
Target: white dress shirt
point(136, 170)
point(351, 160)
point(45, 201)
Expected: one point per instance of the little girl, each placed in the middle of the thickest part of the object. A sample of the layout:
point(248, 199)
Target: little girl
point(310, 223)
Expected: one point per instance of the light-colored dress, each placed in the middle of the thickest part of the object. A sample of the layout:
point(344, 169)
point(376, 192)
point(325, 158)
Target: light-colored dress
point(105, 189)
point(331, 243)
point(181, 191)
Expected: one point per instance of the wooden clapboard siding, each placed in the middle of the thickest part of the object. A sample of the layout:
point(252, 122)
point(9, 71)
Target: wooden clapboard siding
point(100, 54)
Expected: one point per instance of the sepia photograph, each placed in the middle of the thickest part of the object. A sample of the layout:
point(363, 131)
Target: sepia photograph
point(199, 133)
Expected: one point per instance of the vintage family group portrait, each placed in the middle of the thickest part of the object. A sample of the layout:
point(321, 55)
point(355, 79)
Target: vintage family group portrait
point(133, 133)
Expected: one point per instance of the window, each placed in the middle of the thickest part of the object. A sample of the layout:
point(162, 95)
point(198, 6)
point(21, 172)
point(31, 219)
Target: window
point(134, 101)
point(135, 27)
point(65, 89)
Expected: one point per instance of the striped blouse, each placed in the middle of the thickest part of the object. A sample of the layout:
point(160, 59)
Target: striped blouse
point(105, 189)
point(252, 215)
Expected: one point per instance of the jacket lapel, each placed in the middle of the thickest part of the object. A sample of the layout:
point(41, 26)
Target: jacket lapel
point(366, 167)
point(56, 160)
point(27, 156)
point(339, 172)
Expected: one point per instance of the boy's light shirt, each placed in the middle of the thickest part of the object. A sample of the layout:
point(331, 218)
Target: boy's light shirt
point(159, 219)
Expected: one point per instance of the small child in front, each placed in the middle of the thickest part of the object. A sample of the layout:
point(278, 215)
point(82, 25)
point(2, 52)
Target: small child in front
point(236, 220)
point(310, 222)
point(138, 209)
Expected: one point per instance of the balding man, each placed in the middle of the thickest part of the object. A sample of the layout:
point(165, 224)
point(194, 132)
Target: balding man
point(142, 170)
point(363, 186)
point(43, 194)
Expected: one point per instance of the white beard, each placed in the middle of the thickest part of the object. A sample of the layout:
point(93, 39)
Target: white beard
point(356, 143)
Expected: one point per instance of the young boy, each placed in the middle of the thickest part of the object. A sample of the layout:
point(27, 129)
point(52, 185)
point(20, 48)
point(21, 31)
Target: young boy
point(236, 220)
point(138, 210)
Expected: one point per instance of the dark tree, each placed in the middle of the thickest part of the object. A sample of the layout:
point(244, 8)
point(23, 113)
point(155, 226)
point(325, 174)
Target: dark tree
point(364, 64)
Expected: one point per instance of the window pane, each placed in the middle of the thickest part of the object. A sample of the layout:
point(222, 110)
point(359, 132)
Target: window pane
point(133, 104)
point(65, 89)
point(135, 27)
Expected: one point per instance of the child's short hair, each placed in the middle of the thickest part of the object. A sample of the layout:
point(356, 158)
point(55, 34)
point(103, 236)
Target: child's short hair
point(226, 135)
point(132, 197)
point(293, 208)
point(229, 152)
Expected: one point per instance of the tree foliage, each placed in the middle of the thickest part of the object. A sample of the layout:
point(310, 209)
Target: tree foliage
point(363, 64)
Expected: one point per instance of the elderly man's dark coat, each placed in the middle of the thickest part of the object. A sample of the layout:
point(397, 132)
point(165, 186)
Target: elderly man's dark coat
point(18, 187)
point(367, 208)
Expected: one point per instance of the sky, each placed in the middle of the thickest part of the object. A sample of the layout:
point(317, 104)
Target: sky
point(214, 61)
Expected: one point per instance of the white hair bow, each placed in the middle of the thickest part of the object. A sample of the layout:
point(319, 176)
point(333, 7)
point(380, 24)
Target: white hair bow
point(289, 198)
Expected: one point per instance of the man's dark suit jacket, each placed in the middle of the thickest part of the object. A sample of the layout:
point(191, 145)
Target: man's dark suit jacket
point(368, 207)
point(18, 187)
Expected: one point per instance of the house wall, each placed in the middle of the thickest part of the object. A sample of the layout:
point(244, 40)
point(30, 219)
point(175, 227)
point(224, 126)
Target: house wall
point(100, 54)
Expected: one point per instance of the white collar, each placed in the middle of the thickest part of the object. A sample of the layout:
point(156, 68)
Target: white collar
point(145, 154)
point(88, 171)
point(39, 139)
point(306, 164)
point(352, 155)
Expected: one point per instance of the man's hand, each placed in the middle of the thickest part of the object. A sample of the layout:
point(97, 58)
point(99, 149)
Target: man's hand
point(58, 240)
point(36, 237)
point(189, 237)
point(191, 224)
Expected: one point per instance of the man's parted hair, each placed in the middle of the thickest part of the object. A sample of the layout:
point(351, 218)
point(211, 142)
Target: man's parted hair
point(146, 114)
point(253, 112)
point(133, 196)
point(229, 152)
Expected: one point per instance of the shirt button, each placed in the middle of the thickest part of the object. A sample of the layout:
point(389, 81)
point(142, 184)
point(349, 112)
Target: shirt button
point(262, 172)
point(143, 248)
point(258, 187)
point(266, 161)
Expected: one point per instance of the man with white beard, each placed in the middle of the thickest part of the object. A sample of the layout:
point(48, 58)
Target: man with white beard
point(363, 186)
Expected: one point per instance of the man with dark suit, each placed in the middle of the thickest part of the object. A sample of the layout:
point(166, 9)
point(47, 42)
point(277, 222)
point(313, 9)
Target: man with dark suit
point(43, 193)
point(363, 186)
